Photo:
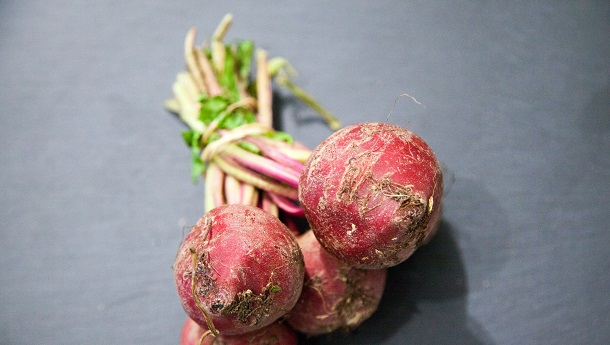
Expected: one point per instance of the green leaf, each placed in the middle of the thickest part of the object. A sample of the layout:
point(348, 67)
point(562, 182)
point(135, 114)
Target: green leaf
point(211, 107)
point(197, 168)
point(245, 50)
point(275, 288)
point(208, 52)
point(212, 137)
point(192, 139)
point(249, 147)
point(229, 77)
point(280, 136)
point(238, 117)
point(188, 136)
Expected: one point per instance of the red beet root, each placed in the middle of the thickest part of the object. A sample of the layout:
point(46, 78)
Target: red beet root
point(239, 269)
point(335, 296)
point(274, 334)
point(369, 192)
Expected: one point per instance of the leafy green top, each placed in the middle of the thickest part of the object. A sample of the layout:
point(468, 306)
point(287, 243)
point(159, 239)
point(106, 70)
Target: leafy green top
point(236, 83)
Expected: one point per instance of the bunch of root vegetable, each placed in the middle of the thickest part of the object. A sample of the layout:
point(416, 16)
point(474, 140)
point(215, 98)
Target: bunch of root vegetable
point(246, 273)
point(243, 159)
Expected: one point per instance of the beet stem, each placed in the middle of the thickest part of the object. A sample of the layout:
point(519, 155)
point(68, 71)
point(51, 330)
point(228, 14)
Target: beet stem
point(255, 179)
point(287, 205)
point(276, 169)
point(273, 153)
point(263, 165)
point(213, 194)
point(263, 89)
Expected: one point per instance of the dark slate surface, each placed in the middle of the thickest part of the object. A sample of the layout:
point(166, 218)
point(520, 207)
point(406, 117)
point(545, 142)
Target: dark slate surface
point(95, 186)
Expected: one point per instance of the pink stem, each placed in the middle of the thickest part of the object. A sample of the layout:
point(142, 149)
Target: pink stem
point(286, 204)
point(268, 205)
point(275, 155)
point(263, 165)
point(288, 220)
point(232, 190)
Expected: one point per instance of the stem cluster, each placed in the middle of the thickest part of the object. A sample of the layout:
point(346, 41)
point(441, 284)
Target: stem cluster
point(242, 159)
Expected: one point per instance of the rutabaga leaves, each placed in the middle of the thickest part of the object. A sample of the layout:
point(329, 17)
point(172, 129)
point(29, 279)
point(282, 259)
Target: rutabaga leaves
point(280, 136)
point(211, 108)
point(234, 77)
point(236, 70)
point(189, 136)
point(244, 52)
point(193, 139)
point(228, 79)
point(238, 117)
point(214, 108)
point(197, 167)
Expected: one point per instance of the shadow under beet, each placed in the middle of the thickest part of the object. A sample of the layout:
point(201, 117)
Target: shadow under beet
point(424, 302)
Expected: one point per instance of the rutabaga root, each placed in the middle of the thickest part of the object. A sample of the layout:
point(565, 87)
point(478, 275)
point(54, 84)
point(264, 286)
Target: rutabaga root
point(372, 194)
point(238, 270)
point(274, 334)
point(335, 296)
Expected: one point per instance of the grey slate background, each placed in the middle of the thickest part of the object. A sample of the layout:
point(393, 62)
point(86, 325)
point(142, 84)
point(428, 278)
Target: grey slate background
point(95, 186)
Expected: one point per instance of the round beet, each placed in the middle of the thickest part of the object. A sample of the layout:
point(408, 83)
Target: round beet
point(274, 334)
point(369, 192)
point(239, 269)
point(336, 295)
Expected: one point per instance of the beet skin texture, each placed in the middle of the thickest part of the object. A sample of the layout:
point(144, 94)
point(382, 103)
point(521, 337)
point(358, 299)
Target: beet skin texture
point(372, 193)
point(336, 296)
point(244, 266)
point(274, 334)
